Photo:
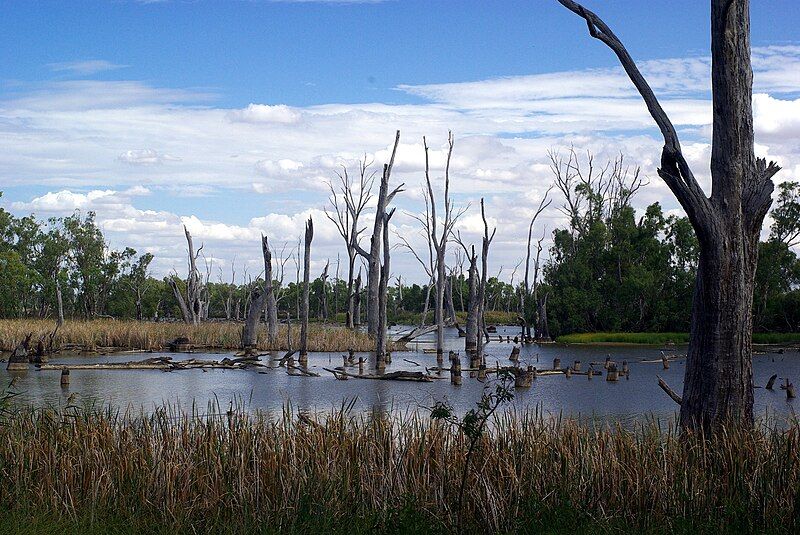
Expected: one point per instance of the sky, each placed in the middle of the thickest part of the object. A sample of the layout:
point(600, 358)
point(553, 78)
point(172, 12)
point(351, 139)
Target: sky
point(230, 117)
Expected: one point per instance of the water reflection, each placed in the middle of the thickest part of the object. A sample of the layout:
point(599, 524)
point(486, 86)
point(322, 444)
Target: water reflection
point(626, 400)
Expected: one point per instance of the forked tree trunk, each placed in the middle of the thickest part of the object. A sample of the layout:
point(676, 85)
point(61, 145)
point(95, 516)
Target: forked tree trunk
point(718, 385)
point(373, 258)
point(304, 301)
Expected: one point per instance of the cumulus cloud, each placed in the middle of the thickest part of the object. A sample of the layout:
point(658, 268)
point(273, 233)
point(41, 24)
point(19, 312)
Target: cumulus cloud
point(69, 138)
point(264, 113)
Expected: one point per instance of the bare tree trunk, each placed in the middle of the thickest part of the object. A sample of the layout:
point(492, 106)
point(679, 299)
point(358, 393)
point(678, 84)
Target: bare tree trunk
point(304, 301)
point(542, 328)
point(471, 342)
point(357, 301)
point(373, 257)
point(271, 305)
point(351, 297)
point(718, 385)
point(60, 301)
point(187, 316)
point(440, 242)
point(382, 334)
point(250, 329)
point(448, 299)
point(487, 240)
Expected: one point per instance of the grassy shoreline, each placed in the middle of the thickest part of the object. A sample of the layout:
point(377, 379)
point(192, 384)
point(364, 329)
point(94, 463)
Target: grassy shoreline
point(664, 338)
point(144, 335)
point(83, 470)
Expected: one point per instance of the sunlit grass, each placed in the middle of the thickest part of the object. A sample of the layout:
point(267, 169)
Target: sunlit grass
point(81, 469)
point(149, 335)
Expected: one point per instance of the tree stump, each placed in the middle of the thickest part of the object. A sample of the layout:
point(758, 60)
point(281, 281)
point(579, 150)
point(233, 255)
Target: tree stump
point(613, 374)
point(556, 364)
point(455, 370)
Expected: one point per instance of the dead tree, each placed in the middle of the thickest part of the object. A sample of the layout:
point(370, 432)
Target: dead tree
point(439, 240)
point(718, 385)
point(429, 266)
point(382, 335)
point(192, 306)
point(373, 256)
point(357, 300)
point(304, 301)
point(271, 310)
point(322, 295)
point(259, 300)
point(347, 209)
point(542, 330)
point(526, 289)
point(473, 308)
point(487, 241)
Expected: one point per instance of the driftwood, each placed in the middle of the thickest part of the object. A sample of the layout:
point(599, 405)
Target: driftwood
point(670, 392)
point(771, 381)
point(391, 376)
point(414, 333)
point(300, 371)
point(161, 363)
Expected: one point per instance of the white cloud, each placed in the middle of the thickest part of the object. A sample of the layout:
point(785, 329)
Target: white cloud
point(70, 137)
point(89, 66)
point(145, 157)
point(264, 113)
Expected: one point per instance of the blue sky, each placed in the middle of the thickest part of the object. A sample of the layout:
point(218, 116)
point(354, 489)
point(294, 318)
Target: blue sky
point(232, 115)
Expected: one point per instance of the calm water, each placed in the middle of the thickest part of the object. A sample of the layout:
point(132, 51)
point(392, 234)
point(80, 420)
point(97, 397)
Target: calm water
point(625, 400)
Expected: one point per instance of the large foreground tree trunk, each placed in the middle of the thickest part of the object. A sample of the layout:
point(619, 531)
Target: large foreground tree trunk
point(718, 385)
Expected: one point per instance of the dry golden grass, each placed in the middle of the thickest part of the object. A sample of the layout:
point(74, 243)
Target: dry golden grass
point(128, 334)
point(201, 472)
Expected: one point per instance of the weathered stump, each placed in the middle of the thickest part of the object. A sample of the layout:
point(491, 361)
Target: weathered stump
point(65, 377)
point(576, 366)
point(455, 370)
point(613, 374)
point(556, 364)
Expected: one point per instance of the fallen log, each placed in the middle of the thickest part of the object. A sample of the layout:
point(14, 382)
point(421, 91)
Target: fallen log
point(391, 376)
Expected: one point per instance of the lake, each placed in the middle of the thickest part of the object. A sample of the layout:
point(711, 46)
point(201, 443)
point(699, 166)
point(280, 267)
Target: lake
point(626, 400)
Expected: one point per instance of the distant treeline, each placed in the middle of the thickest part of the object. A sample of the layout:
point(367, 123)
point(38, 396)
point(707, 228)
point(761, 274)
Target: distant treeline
point(608, 270)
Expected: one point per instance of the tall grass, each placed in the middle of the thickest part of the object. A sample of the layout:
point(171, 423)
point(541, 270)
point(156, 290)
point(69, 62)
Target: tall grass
point(663, 338)
point(149, 335)
point(88, 469)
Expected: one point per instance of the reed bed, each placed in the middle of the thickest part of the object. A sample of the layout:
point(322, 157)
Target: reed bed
point(84, 469)
point(122, 334)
